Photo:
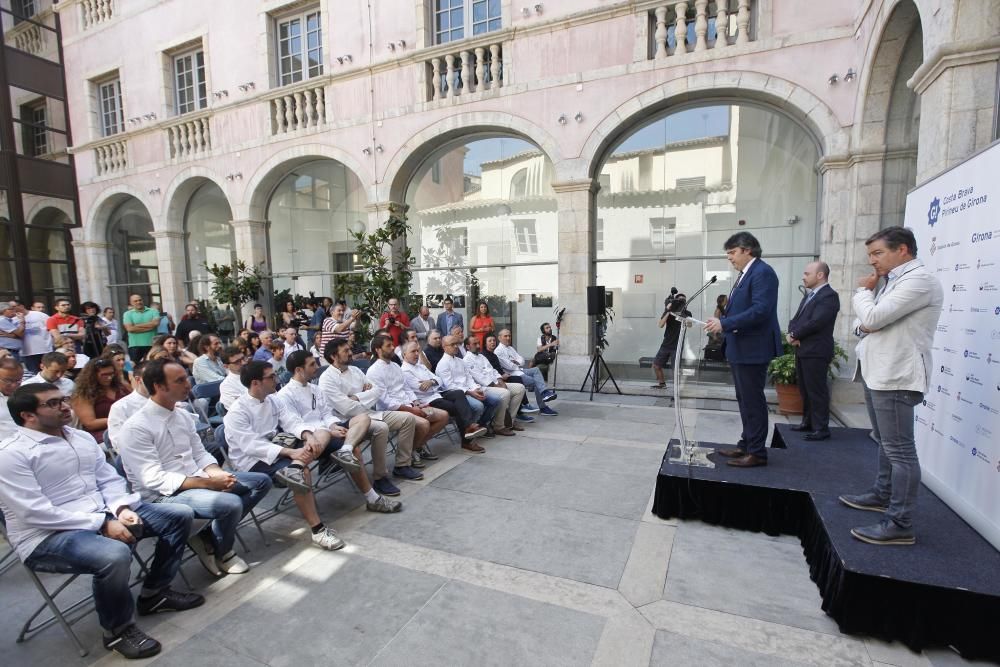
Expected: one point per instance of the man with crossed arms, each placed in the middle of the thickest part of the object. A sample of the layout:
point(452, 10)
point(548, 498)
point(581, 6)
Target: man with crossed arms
point(457, 375)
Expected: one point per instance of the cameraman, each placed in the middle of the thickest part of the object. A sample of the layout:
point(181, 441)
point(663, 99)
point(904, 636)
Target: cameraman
point(94, 330)
point(394, 321)
point(675, 303)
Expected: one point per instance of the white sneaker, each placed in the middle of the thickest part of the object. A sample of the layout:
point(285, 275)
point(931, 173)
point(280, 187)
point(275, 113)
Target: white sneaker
point(232, 564)
point(327, 539)
point(204, 553)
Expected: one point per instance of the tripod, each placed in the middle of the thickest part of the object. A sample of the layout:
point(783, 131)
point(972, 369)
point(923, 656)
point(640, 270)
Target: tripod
point(596, 364)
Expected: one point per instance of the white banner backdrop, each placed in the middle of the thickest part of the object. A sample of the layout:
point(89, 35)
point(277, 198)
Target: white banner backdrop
point(956, 220)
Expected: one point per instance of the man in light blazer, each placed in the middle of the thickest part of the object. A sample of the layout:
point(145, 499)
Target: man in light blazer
point(810, 332)
point(751, 338)
point(896, 325)
point(449, 318)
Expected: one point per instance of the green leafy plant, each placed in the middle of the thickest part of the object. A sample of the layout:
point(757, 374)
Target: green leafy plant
point(603, 320)
point(781, 370)
point(385, 272)
point(235, 284)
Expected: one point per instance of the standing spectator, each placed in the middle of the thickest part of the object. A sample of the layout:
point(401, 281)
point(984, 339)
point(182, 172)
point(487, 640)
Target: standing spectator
point(193, 320)
point(64, 326)
point(167, 324)
point(225, 322)
point(37, 340)
point(449, 318)
point(320, 312)
point(94, 333)
point(98, 387)
point(11, 375)
point(810, 332)
point(110, 326)
point(423, 324)
point(394, 321)
point(208, 367)
point(141, 323)
point(53, 371)
point(12, 329)
point(338, 325)
point(257, 322)
point(290, 317)
point(482, 324)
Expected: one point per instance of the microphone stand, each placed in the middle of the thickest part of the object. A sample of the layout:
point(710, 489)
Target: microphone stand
point(686, 452)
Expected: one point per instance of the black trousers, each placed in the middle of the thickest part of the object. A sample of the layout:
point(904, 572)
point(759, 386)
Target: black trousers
point(749, 380)
point(453, 402)
point(810, 373)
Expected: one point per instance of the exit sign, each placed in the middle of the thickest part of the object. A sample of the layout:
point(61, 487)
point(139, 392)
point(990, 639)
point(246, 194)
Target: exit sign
point(638, 278)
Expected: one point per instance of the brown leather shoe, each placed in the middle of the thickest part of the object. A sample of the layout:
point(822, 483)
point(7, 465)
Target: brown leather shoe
point(472, 447)
point(515, 427)
point(731, 453)
point(503, 431)
point(748, 461)
point(474, 431)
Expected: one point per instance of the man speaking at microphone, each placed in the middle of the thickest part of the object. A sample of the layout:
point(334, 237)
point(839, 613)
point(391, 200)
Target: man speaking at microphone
point(751, 338)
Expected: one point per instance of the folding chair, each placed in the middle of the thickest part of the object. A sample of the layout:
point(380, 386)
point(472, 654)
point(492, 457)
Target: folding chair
point(209, 391)
point(220, 440)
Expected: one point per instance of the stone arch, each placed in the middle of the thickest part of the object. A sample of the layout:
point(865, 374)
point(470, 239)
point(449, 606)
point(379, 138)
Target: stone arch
point(96, 227)
point(417, 148)
point(47, 206)
point(260, 185)
point(731, 86)
point(180, 191)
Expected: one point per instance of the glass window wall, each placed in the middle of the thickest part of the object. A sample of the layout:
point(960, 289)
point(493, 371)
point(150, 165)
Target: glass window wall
point(210, 238)
point(134, 269)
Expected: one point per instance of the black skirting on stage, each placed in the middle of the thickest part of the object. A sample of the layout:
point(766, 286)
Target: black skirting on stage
point(943, 591)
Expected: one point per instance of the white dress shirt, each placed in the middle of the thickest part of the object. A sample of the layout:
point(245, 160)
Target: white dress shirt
point(309, 402)
point(387, 378)
point(231, 389)
point(7, 425)
point(456, 374)
point(65, 385)
point(414, 374)
point(121, 411)
point(250, 425)
point(339, 385)
point(160, 449)
point(37, 339)
point(52, 484)
point(481, 369)
point(510, 361)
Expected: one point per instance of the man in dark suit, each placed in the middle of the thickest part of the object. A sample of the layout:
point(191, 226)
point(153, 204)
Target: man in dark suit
point(811, 334)
point(449, 318)
point(751, 338)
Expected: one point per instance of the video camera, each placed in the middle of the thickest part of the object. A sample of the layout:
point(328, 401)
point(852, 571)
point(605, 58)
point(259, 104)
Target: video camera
point(674, 302)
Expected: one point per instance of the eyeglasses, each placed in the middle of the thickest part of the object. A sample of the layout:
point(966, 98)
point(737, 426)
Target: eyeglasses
point(55, 403)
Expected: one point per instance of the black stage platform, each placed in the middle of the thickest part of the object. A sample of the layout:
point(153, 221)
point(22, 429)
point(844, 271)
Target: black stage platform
point(943, 591)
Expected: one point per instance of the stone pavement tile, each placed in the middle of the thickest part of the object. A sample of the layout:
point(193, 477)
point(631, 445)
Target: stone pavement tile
point(607, 428)
point(646, 571)
point(465, 624)
point(608, 397)
point(596, 491)
point(646, 415)
point(563, 543)
point(642, 461)
point(738, 574)
point(673, 649)
point(529, 448)
point(202, 650)
point(757, 636)
point(627, 640)
point(344, 617)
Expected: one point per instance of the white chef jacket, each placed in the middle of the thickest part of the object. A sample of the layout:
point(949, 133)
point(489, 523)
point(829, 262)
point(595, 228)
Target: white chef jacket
point(160, 448)
point(414, 374)
point(52, 484)
point(456, 374)
point(510, 361)
point(481, 369)
point(337, 386)
point(231, 389)
point(309, 402)
point(250, 425)
point(387, 377)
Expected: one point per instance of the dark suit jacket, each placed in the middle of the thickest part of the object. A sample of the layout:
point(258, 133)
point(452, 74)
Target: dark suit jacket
point(441, 326)
point(813, 324)
point(751, 333)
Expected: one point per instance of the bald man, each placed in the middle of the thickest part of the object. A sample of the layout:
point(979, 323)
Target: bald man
point(810, 332)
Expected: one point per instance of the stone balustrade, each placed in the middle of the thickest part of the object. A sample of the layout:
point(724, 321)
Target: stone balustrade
point(96, 11)
point(298, 110)
point(471, 70)
point(111, 158)
point(28, 37)
point(693, 26)
point(189, 138)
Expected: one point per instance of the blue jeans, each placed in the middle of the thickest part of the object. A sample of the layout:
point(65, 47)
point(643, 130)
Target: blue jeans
point(485, 409)
point(533, 381)
point(110, 561)
point(224, 508)
point(898, 478)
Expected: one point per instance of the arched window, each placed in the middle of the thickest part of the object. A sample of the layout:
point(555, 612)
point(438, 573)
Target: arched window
point(134, 269)
point(49, 254)
point(309, 217)
point(209, 237)
point(674, 190)
point(519, 184)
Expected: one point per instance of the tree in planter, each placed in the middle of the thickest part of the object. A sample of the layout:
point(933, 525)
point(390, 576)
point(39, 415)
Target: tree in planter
point(385, 261)
point(235, 284)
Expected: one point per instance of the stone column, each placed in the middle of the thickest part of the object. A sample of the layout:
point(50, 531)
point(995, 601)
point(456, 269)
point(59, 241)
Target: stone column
point(576, 204)
point(251, 247)
point(170, 261)
point(93, 271)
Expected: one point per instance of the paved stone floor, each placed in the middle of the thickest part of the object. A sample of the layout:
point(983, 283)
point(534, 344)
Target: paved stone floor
point(542, 551)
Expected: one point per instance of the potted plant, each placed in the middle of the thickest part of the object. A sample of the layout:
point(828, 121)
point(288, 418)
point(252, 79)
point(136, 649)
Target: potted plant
point(781, 372)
